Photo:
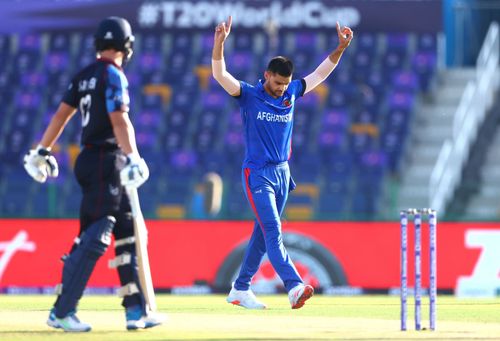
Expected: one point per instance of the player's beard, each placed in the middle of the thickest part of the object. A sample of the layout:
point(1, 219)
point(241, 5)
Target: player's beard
point(278, 93)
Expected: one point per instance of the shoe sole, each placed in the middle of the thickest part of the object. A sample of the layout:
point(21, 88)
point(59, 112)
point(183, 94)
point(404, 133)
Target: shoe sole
point(53, 324)
point(307, 294)
point(238, 303)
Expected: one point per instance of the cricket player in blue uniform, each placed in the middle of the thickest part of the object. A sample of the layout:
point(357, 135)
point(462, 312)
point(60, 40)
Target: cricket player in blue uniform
point(267, 114)
point(108, 161)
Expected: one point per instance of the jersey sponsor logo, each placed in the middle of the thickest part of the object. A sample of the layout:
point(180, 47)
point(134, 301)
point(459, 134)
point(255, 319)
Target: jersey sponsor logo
point(270, 117)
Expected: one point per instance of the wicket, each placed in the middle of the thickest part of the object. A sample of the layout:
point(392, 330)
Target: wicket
point(417, 215)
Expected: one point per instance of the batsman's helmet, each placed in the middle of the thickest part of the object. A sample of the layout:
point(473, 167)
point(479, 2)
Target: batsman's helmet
point(114, 33)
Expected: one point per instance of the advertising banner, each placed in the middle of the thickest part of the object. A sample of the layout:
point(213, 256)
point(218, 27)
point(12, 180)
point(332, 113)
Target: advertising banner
point(329, 255)
point(375, 16)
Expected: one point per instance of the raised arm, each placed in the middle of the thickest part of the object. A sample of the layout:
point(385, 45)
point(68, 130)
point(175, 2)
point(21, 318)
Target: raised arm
point(224, 78)
point(328, 65)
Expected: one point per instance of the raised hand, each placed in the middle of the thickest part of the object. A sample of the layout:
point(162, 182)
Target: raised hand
point(345, 36)
point(222, 31)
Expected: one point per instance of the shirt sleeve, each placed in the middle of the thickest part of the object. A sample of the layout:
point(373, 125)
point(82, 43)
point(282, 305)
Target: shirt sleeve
point(297, 87)
point(244, 91)
point(71, 95)
point(117, 97)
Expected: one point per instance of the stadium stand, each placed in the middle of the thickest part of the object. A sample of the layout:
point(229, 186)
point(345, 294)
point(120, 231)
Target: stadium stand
point(349, 133)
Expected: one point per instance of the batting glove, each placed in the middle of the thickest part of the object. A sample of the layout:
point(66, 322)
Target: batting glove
point(40, 164)
point(135, 173)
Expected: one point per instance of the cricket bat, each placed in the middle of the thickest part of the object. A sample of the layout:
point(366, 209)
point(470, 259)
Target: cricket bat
point(141, 246)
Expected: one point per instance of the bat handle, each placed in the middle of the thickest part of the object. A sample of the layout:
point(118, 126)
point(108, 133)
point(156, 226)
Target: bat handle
point(134, 201)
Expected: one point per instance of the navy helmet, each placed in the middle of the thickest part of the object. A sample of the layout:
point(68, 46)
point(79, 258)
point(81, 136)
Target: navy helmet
point(114, 33)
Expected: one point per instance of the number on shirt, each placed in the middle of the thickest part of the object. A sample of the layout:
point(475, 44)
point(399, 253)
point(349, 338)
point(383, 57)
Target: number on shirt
point(85, 103)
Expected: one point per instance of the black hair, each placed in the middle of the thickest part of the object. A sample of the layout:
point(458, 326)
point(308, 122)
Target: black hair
point(281, 65)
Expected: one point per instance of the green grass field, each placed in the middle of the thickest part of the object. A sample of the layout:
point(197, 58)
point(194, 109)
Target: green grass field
point(210, 318)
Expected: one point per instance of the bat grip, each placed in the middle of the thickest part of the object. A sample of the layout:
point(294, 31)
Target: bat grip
point(134, 201)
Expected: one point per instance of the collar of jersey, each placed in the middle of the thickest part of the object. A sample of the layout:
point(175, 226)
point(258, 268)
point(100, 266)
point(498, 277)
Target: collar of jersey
point(109, 61)
point(275, 102)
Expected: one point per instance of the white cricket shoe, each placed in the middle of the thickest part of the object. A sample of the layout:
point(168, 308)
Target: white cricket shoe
point(245, 299)
point(70, 323)
point(135, 319)
point(299, 294)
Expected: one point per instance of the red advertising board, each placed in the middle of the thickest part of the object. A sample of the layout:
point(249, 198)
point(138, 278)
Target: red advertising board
point(184, 253)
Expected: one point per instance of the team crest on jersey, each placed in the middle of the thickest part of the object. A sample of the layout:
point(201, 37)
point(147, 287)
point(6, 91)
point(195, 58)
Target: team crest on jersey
point(286, 102)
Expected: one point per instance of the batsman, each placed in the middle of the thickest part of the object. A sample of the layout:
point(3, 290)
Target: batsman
point(107, 164)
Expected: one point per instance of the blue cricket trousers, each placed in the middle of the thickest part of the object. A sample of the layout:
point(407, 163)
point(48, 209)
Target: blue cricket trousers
point(267, 191)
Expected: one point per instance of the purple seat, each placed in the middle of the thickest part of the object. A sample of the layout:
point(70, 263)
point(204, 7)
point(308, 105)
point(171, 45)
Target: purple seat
point(151, 102)
point(401, 100)
point(233, 139)
point(337, 119)
point(146, 139)
point(28, 100)
point(182, 101)
point(30, 41)
point(338, 99)
point(397, 120)
point(173, 141)
point(149, 120)
point(373, 160)
point(242, 42)
point(5, 44)
point(424, 61)
point(149, 61)
point(57, 61)
point(424, 64)
point(235, 121)
point(183, 159)
point(392, 62)
point(177, 65)
point(204, 140)
point(331, 139)
point(207, 42)
point(182, 42)
point(176, 120)
point(87, 44)
point(214, 100)
point(239, 61)
point(309, 102)
point(27, 61)
point(363, 60)
point(299, 140)
point(427, 42)
point(150, 43)
point(361, 142)
point(59, 42)
point(134, 79)
point(33, 79)
point(209, 120)
point(405, 81)
point(367, 42)
point(397, 43)
point(85, 59)
point(305, 41)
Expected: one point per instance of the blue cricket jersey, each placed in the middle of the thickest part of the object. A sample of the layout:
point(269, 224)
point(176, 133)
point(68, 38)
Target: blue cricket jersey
point(268, 123)
point(98, 90)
